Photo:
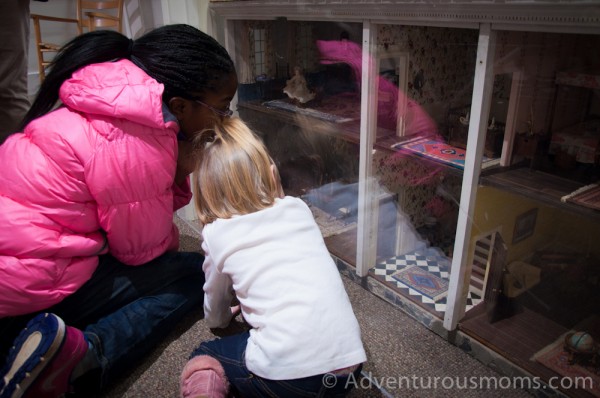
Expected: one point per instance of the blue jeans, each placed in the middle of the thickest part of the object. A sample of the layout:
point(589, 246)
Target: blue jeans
point(125, 311)
point(230, 352)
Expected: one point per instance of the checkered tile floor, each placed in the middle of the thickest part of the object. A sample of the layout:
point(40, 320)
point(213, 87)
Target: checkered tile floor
point(431, 260)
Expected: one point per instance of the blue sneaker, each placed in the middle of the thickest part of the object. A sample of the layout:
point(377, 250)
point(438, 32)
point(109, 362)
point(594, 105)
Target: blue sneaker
point(32, 353)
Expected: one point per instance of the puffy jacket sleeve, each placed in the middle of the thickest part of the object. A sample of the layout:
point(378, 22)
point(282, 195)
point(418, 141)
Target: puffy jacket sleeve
point(182, 194)
point(131, 179)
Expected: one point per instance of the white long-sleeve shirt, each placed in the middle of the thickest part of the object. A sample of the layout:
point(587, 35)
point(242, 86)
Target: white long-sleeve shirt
point(289, 288)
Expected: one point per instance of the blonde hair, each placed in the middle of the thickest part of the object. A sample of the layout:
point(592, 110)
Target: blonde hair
point(235, 174)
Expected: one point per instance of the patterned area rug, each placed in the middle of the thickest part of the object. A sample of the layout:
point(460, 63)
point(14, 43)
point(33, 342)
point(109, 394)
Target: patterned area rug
point(554, 357)
point(423, 281)
point(441, 152)
point(339, 108)
point(430, 259)
point(588, 196)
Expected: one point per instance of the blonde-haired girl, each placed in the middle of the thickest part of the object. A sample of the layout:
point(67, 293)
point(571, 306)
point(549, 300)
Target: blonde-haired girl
point(267, 248)
point(237, 175)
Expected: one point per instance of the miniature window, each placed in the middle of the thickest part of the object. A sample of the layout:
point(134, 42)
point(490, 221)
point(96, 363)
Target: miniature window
point(305, 45)
point(259, 51)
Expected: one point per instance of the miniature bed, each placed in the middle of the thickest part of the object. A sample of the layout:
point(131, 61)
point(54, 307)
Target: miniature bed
point(580, 141)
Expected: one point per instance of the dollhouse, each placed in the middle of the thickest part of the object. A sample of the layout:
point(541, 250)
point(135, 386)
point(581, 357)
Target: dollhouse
point(450, 153)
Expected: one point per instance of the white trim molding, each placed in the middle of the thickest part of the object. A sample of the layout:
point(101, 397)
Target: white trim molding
point(575, 16)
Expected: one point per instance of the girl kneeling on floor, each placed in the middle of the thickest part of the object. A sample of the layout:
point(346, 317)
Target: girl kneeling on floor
point(267, 248)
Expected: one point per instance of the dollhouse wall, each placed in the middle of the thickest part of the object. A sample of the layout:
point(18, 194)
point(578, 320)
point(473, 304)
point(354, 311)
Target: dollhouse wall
point(444, 57)
point(498, 210)
point(539, 56)
point(555, 230)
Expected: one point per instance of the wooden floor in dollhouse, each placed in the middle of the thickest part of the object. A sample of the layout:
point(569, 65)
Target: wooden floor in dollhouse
point(530, 330)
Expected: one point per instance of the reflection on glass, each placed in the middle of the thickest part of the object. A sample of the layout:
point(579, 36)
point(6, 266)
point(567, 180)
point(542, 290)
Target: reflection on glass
point(533, 251)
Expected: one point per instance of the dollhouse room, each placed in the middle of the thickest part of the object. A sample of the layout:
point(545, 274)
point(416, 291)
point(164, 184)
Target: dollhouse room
point(545, 208)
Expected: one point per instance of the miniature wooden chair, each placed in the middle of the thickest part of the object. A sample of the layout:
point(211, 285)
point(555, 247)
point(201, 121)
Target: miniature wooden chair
point(91, 15)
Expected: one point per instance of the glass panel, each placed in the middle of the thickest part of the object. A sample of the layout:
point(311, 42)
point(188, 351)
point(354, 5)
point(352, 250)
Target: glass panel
point(534, 246)
point(425, 76)
point(307, 109)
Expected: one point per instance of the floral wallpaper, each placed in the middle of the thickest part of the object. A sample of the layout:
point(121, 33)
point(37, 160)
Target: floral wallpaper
point(441, 61)
point(440, 75)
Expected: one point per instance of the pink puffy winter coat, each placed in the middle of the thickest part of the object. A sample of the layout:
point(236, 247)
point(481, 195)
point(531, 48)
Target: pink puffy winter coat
point(94, 176)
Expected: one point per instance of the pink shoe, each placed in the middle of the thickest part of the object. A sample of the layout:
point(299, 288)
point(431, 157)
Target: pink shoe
point(42, 360)
point(203, 376)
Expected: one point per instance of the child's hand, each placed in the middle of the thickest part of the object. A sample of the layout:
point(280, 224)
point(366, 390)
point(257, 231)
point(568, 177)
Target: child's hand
point(234, 326)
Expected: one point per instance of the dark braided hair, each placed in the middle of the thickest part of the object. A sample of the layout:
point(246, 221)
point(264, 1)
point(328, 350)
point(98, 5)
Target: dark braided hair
point(183, 58)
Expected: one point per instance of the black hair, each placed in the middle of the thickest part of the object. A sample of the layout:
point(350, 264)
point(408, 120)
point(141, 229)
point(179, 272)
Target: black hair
point(183, 58)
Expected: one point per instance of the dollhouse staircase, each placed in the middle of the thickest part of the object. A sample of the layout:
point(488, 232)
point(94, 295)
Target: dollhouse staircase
point(482, 256)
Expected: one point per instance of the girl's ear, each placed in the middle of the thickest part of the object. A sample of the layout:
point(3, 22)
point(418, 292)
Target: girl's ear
point(177, 107)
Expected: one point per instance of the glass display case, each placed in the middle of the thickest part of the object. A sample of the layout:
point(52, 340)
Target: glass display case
point(450, 156)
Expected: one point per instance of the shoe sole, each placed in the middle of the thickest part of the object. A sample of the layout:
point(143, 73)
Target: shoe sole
point(32, 353)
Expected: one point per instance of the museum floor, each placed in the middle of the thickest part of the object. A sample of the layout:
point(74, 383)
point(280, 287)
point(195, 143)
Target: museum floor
point(403, 354)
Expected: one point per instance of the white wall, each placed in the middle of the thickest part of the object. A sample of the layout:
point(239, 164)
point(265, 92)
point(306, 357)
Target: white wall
point(58, 33)
point(192, 12)
point(140, 16)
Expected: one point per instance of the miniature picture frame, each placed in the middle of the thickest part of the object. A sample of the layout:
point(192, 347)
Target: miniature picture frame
point(524, 225)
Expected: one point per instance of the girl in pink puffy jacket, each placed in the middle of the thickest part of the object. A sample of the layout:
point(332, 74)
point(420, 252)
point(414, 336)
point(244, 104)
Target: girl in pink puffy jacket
point(87, 195)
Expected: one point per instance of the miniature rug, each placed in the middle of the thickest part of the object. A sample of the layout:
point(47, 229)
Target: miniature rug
point(423, 281)
point(587, 196)
point(440, 152)
point(330, 225)
point(555, 358)
point(430, 259)
point(329, 117)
